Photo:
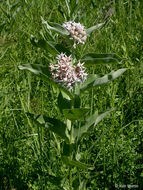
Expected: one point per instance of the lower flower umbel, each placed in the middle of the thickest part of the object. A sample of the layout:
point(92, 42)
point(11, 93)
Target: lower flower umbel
point(67, 74)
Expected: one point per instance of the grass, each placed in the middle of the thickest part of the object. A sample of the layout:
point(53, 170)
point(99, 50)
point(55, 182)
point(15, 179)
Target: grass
point(27, 161)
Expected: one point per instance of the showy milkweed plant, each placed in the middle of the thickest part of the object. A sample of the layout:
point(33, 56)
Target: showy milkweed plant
point(69, 73)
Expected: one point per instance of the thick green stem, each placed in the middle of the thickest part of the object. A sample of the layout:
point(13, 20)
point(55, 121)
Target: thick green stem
point(70, 169)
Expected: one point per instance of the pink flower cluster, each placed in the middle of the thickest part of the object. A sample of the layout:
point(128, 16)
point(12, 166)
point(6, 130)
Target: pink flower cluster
point(76, 30)
point(66, 73)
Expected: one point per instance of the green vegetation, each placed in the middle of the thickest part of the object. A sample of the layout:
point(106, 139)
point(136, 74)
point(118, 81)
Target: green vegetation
point(30, 154)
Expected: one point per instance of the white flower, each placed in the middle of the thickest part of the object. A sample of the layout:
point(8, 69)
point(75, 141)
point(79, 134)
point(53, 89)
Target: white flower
point(66, 73)
point(76, 30)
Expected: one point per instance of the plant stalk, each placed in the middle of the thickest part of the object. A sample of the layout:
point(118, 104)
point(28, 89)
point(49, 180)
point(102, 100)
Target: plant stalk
point(70, 169)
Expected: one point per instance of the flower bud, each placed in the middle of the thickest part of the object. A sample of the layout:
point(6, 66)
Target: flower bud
point(76, 30)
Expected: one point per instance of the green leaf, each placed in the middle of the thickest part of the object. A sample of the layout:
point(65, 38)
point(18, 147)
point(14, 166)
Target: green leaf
point(90, 123)
point(75, 113)
point(93, 28)
point(44, 73)
point(36, 69)
point(63, 103)
point(96, 80)
point(109, 77)
point(55, 27)
point(75, 163)
point(45, 45)
point(88, 83)
point(57, 127)
point(47, 34)
point(50, 47)
point(54, 125)
point(92, 58)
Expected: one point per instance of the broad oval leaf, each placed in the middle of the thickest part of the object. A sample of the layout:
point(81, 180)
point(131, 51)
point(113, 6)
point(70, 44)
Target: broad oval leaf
point(57, 127)
point(75, 163)
point(46, 34)
point(75, 113)
point(94, 80)
point(90, 123)
point(55, 27)
point(93, 58)
point(50, 47)
point(45, 45)
point(44, 73)
point(88, 83)
point(36, 69)
point(63, 103)
point(109, 77)
point(93, 28)
point(54, 125)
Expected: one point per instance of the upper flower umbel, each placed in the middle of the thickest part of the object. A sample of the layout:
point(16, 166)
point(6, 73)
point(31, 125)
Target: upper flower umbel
point(76, 30)
point(65, 73)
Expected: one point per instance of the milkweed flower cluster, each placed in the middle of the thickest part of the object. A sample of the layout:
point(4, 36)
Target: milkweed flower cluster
point(76, 30)
point(66, 73)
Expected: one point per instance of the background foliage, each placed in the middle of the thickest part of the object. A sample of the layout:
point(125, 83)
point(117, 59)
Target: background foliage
point(28, 154)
